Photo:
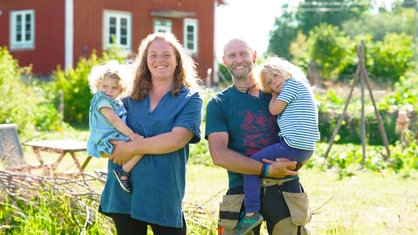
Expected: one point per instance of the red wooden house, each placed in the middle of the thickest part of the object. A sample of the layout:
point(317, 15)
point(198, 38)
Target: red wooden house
point(48, 33)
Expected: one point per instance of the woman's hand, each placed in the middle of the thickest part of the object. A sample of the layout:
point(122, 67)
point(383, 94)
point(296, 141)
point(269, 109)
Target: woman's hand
point(121, 153)
point(281, 167)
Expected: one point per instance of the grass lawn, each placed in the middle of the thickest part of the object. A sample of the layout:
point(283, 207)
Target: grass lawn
point(366, 203)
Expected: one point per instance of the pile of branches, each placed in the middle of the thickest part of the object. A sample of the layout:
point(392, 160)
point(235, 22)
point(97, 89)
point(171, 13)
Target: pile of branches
point(21, 190)
point(83, 192)
point(18, 184)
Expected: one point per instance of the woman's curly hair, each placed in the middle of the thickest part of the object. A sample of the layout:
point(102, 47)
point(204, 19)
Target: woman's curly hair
point(185, 73)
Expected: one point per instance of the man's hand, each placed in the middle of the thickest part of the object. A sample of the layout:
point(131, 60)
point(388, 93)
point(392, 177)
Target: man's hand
point(281, 167)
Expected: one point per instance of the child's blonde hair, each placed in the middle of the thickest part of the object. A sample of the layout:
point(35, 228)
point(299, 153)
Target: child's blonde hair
point(110, 70)
point(277, 66)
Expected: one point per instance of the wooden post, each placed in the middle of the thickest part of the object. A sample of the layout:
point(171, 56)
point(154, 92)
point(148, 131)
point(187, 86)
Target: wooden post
point(376, 111)
point(363, 120)
point(361, 73)
point(337, 128)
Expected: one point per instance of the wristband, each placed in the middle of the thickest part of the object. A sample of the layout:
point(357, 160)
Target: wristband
point(266, 170)
point(298, 166)
point(263, 169)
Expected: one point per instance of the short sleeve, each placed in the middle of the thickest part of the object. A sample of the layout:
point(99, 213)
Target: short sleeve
point(289, 92)
point(102, 100)
point(215, 117)
point(191, 115)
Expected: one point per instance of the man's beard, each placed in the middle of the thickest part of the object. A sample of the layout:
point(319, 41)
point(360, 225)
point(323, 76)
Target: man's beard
point(241, 75)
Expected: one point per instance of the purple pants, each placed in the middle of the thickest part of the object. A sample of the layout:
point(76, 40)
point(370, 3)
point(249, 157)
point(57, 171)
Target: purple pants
point(252, 183)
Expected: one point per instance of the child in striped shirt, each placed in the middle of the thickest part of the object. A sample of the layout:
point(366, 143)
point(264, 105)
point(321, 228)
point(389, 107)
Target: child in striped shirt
point(297, 117)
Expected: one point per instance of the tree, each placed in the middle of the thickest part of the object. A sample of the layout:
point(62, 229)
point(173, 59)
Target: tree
point(311, 13)
point(283, 33)
point(331, 50)
point(392, 57)
point(378, 25)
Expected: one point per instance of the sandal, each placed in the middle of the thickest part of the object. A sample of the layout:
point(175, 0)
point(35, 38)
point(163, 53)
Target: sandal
point(118, 172)
point(248, 223)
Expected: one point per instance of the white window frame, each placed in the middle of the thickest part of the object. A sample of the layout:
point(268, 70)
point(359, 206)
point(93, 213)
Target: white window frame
point(190, 35)
point(23, 43)
point(162, 26)
point(119, 16)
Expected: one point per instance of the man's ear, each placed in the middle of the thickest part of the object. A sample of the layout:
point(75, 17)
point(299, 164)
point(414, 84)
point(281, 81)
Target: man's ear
point(254, 56)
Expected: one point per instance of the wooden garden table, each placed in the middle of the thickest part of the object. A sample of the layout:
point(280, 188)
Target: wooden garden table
point(62, 147)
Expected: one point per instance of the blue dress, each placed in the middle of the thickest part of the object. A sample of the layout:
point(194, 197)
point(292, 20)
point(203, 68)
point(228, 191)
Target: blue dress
point(158, 181)
point(101, 130)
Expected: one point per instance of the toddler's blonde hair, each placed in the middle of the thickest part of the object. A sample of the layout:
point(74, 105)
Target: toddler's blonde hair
point(110, 70)
point(277, 66)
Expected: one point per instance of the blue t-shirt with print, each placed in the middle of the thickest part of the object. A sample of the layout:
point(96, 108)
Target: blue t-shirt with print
point(246, 119)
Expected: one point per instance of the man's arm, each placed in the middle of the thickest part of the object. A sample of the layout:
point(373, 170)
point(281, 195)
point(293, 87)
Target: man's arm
point(233, 161)
point(228, 159)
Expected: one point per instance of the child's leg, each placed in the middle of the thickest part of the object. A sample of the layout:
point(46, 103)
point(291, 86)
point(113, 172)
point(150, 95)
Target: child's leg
point(252, 183)
point(122, 173)
point(252, 187)
point(283, 150)
point(129, 165)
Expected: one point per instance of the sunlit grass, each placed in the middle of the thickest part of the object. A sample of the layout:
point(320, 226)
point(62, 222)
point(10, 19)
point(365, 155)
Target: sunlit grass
point(366, 203)
point(362, 202)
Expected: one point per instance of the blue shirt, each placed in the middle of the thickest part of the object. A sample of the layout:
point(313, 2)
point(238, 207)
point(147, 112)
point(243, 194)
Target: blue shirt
point(158, 181)
point(101, 130)
point(247, 121)
point(298, 122)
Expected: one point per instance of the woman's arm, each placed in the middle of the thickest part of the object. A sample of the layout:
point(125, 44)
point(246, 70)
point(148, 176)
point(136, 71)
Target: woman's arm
point(167, 142)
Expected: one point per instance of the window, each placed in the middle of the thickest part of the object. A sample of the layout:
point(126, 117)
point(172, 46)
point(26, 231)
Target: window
point(190, 35)
point(22, 25)
point(117, 29)
point(162, 26)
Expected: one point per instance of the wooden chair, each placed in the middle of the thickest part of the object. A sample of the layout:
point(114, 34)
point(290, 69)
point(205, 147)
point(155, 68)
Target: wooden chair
point(12, 156)
point(11, 153)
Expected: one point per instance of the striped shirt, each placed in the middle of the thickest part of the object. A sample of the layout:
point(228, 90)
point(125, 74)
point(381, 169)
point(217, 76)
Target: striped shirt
point(298, 122)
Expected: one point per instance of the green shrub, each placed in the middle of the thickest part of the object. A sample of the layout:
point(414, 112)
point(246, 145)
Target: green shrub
point(24, 100)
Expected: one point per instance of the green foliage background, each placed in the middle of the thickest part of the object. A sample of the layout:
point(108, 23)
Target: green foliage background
point(330, 37)
point(24, 100)
point(74, 85)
